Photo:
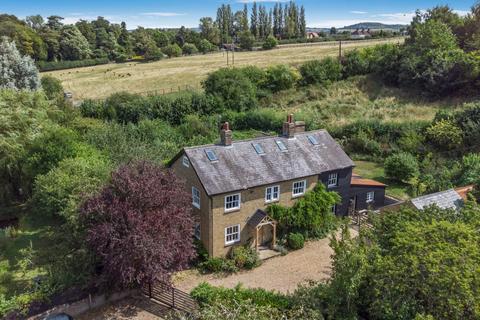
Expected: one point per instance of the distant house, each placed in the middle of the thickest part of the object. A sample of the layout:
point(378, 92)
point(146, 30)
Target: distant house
point(361, 34)
point(312, 35)
point(232, 182)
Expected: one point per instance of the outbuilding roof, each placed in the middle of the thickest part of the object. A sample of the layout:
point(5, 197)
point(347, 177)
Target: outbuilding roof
point(449, 199)
point(265, 160)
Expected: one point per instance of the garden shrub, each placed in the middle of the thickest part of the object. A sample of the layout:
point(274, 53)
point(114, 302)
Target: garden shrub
point(172, 50)
point(232, 88)
point(322, 71)
point(444, 134)
point(270, 43)
point(261, 119)
point(206, 46)
point(355, 63)
point(281, 77)
point(52, 87)
point(245, 257)
point(402, 166)
point(218, 264)
point(206, 294)
point(295, 241)
point(189, 48)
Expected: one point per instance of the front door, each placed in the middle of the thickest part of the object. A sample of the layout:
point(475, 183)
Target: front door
point(352, 205)
point(265, 235)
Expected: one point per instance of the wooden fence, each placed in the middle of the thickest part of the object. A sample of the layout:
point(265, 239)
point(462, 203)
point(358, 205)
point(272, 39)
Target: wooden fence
point(170, 296)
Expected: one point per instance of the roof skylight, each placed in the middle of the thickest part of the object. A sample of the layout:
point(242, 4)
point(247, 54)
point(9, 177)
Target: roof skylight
point(211, 155)
point(312, 140)
point(258, 148)
point(281, 145)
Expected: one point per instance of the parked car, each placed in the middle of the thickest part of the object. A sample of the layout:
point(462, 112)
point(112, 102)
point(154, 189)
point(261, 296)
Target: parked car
point(59, 316)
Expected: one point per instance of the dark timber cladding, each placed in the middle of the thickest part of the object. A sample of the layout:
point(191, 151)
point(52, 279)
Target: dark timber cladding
point(240, 167)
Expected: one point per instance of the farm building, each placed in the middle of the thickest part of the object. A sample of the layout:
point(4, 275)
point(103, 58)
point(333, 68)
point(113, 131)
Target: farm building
point(361, 34)
point(233, 182)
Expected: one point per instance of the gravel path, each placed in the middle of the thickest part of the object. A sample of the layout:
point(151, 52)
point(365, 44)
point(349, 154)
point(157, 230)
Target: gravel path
point(283, 273)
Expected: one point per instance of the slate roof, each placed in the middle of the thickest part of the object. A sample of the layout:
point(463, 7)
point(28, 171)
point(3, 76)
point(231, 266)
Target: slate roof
point(448, 199)
point(256, 218)
point(239, 166)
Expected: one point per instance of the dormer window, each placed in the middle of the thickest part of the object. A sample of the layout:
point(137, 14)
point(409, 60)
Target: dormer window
point(312, 140)
point(258, 148)
point(281, 145)
point(211, 155)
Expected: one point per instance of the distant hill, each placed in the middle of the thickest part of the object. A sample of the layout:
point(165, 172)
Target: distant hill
point(375, 25)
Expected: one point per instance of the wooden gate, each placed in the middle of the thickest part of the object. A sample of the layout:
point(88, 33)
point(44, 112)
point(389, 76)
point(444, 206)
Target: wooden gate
point(170, 296)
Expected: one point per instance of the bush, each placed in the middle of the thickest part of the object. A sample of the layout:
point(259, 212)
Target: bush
point(295, 241)
point(172, 50)
point(320, 71)
point(354, 63)
point(280, 77)
point(65, 64)
point(206, 46)
point(52, 87)
point(218, 264)
point(444, 134)
point(232, 88)
point(189, 48)
point(270, 43)
point(246, 40)
point(402, 166)
point(245, 257)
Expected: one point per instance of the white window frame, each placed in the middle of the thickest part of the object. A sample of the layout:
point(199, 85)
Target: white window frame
point(332, 180)
point(235, 235)
point(186, 162)
point(334, 209)
point(370, 196)
point(298, 194)
point(197, 231)
point(196, 197)
point(271, 190)
point(233, 208)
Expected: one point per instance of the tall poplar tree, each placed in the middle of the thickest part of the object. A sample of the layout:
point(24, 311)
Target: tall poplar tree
point(254, 21)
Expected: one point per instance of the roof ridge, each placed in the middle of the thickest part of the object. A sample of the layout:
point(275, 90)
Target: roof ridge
point(254, 139)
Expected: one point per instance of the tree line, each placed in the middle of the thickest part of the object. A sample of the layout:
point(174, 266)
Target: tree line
point(52, 40)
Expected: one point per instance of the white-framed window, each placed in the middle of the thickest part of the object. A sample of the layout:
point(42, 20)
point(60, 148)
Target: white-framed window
point(332, 180)
point(334, 209)
point(370, 196)
point(232, 202)
point(232, 234)
point(272, 194)
point(195, 197)
point(299, 188)
point(197, 231)
point(186, 162)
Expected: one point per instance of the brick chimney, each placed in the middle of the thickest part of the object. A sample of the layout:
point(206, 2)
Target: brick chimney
point(226, 135)
point(289, 127)
point(299, 126)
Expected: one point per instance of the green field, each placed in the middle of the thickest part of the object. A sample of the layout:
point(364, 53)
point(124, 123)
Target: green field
point(168, 74)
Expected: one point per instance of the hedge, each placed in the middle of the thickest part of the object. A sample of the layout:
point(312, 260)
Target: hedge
point(59, 65)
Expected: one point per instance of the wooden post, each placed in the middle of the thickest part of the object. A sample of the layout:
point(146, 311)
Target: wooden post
point(173, 297)
point(274, 235)
point(256, 240)
point(340, 50)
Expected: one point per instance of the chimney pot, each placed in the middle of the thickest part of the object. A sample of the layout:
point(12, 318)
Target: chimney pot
point(289, 127)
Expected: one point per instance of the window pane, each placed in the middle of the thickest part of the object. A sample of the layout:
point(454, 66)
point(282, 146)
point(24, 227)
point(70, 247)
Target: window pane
point(312, 140)
point(211, 155)
point(281, 145)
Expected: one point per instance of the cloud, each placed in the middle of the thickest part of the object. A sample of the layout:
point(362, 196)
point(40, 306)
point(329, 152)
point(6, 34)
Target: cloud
point(358, 12)
point(462, 12)
point(162, 14)
point(394, 18)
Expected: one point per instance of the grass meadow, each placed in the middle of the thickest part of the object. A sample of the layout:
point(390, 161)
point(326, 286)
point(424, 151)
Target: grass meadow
point(136, 77)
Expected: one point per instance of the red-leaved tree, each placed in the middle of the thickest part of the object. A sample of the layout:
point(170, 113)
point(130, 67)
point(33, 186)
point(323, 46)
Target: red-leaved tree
point(140, 225)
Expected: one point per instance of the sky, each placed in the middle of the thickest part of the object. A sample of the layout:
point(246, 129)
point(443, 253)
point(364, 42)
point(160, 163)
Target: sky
point(171, 14)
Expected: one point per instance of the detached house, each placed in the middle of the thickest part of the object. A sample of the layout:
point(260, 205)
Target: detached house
point(233, 182)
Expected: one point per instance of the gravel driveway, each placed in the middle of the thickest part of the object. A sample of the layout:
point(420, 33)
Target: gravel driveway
point(282, 273)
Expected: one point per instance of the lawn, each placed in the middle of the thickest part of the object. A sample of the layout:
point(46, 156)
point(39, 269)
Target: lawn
point(372, 170)
point(17, 265)
point(101, 81)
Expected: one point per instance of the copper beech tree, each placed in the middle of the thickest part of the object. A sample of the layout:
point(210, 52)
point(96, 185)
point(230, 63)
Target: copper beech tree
point(140, 225)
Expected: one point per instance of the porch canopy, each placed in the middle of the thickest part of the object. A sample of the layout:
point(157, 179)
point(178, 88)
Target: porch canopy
point(259, 219)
